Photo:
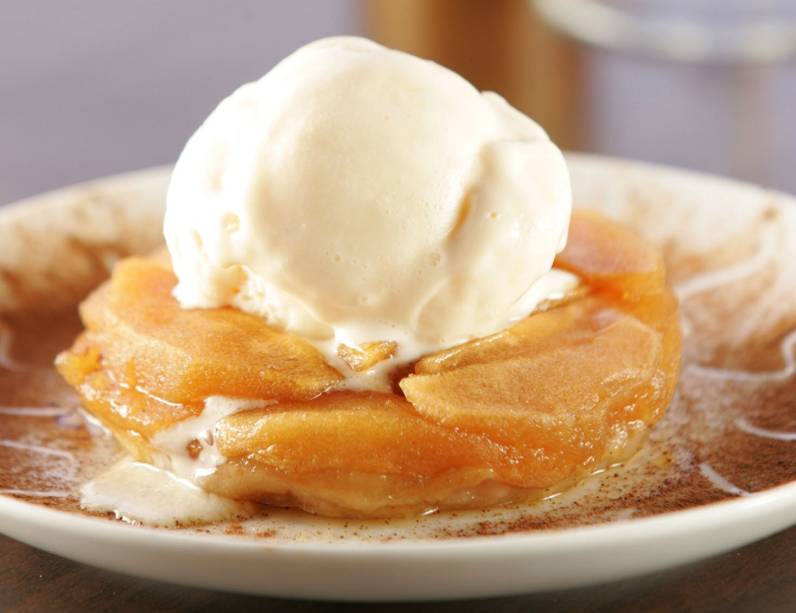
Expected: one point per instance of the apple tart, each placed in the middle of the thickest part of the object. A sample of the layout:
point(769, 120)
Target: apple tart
point(256, 414)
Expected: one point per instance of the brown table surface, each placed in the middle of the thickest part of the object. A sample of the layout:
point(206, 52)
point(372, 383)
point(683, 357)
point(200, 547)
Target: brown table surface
point(759, 578)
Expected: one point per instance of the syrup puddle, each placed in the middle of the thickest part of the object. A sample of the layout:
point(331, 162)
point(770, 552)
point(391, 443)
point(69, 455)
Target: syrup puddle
point(6, 338)
point(625, 514)
point(720, 277)
point(743, 424)
point(37, 493)
point(701, 283)
point(720, 482)
point(787, 347)
point(37, 449)
point(62, 472)
point(34, 411)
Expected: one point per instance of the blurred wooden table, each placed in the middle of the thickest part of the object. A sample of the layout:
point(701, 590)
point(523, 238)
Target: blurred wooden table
point(759, 578)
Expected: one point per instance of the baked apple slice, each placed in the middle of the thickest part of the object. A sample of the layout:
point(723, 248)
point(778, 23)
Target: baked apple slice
point(568, 389)
point(185, 355)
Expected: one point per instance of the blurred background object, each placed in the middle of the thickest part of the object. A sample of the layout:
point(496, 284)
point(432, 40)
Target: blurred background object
point(93, 88)
point(706, 84)
point(98, 87)
point(501, 46)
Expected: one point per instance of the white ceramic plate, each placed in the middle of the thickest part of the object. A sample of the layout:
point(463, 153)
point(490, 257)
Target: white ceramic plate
point(416, 568)
point(471, 568)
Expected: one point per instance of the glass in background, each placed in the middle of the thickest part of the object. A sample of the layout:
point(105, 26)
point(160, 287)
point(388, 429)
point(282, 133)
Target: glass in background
point(706, 84)
point(498, 45)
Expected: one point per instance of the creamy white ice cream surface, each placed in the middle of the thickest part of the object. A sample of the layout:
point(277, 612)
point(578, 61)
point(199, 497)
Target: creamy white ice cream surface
point(356, 194)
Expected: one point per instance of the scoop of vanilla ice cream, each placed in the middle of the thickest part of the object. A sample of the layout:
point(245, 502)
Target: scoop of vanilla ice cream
point(355, 193)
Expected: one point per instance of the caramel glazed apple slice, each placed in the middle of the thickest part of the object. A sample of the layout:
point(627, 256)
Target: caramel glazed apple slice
point(495, 420)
